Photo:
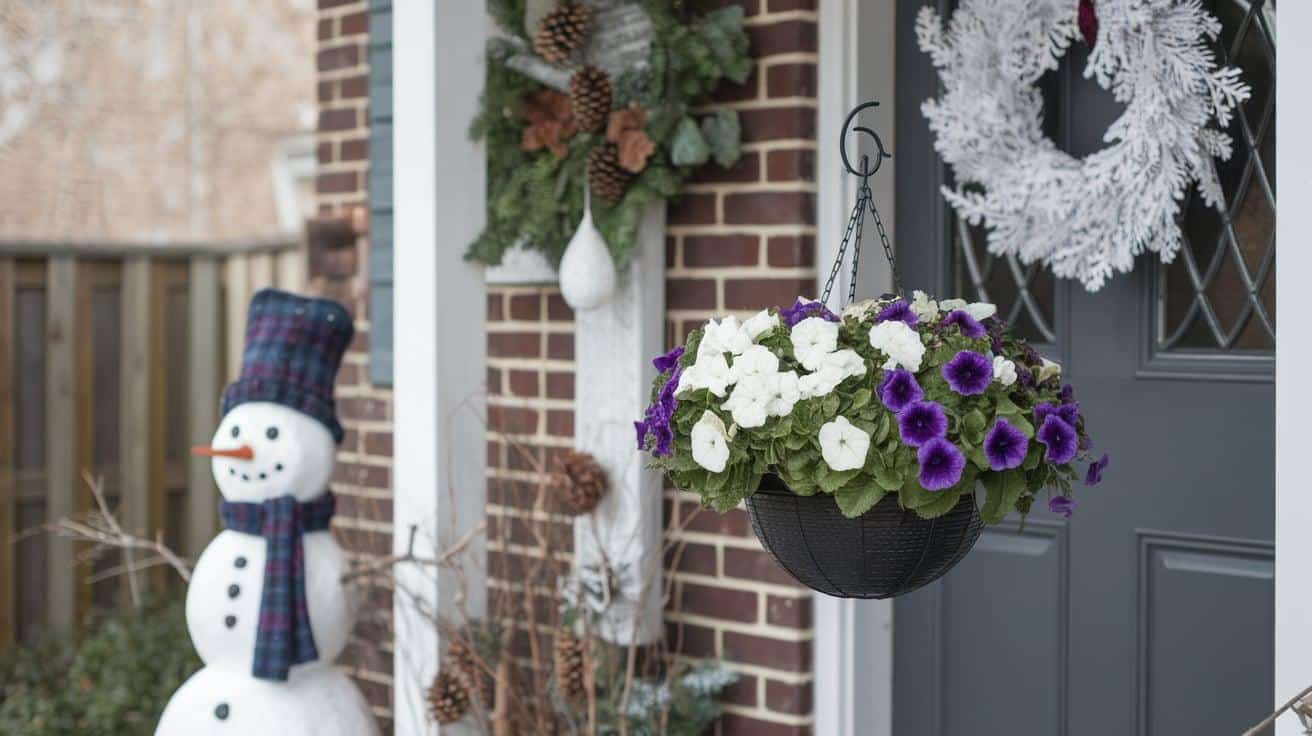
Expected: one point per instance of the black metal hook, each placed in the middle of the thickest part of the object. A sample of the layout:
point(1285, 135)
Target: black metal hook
point(882, 153)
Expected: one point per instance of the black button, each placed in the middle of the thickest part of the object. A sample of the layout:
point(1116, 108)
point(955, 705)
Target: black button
point(230, 621)
point(239, 563)
point(234, 590)
point(271, 433)
point(221, 711)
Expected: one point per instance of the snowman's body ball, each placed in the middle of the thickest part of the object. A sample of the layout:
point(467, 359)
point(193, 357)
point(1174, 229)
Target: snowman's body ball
point(317, 700)
point(223, 598)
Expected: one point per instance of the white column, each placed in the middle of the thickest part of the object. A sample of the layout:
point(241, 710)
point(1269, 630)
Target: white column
point(614, 345)
point(439, 182)
point(1293, 352)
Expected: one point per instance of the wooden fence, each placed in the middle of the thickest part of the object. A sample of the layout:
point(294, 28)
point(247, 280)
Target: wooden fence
point(112, 359)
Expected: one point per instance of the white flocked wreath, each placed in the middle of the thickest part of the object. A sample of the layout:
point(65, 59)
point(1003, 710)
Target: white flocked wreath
point(1090, 217)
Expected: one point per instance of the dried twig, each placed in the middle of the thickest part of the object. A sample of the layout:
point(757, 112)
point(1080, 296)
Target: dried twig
point(441, 560)
point(1294, 703)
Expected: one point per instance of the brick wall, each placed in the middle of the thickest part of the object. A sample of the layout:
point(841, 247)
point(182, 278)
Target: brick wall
point(363, 479)
point(737, 241)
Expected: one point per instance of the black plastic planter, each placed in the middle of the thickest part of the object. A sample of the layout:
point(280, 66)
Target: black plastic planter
point(883, 553)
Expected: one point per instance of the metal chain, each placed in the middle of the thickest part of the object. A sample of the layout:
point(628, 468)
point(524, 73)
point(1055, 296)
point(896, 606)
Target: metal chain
point(888, 251)
point(853, 221)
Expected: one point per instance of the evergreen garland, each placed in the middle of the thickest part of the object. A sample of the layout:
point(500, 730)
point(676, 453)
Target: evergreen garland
point(535, 198)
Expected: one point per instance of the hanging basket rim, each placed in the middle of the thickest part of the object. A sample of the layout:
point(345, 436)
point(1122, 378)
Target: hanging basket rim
point(781, 488)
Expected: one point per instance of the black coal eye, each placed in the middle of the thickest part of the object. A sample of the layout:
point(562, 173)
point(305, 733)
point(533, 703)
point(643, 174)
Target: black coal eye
point(271, 433)
point(236, 430)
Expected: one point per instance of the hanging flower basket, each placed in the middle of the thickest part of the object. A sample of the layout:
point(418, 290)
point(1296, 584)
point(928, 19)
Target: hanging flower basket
point(886, 552)
point(871, 446)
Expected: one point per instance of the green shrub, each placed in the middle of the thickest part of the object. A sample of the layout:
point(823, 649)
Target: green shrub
point(112, 679)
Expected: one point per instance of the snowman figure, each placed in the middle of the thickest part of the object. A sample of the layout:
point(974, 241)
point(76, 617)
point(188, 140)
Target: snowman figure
point(266, 608)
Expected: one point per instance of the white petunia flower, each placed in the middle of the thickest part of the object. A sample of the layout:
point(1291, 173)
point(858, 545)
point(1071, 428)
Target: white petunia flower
point(709, 372)
point(900, 342)
point(817, 384)
point(845, 363)
point(951, 305)
point(843, 445)
point(862, 309)
point(1048, 370)
point(784, 394)
point(759, 324)
point(1004, 371)
point(757, 360)
point(980, 310)
point(813, 338)
point(926, 309)
point(710, 445)
point(750, 400)
point(723, 336)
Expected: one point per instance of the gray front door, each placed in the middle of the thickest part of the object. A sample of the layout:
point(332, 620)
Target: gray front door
point(1150, 612)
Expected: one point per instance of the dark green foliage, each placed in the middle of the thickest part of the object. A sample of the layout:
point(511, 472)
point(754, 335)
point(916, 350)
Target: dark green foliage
point(535, 200)
point(112, 679)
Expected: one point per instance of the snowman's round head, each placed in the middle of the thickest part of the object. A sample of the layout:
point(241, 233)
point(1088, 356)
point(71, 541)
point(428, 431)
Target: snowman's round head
point(263, 450)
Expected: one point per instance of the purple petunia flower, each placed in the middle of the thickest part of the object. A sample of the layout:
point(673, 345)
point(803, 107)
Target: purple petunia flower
point(802, 309)
point(1005, 446)
point(968, 373)
point(898, 311)
point(1064, 505)
point(921, 422)
point(667, 361)
point(1069, 413)
point(969, 326)
point(1059, 438)
point(656, 420)
point(940, 464)
point(1094, 476)
point(1067, 394)
point(898, 389)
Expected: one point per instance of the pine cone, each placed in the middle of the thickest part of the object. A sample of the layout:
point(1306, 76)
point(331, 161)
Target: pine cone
point(578, 483)
point(605, 175)
point(563, 31)
point(448, 699)
point(570, 665)
point(462, 661)
point(589, 92)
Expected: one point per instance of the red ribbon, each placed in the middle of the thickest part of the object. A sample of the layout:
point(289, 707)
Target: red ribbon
point(1088, 20)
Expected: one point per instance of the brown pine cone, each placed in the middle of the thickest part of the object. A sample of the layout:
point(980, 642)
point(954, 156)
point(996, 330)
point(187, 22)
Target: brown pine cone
point(589, 93)
point(563, 31)
point(605, 175)
point(448, 699)
point(462, 661)
point(578, 483)
point(571, 665)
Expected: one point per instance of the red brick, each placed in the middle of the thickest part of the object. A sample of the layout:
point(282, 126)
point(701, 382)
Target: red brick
point(754, 564)
point(523, 457)
point(708, 251)
point(359, 507)
point(746, 169)
point(733, 724)
point(734, 92)
point(356, 474)
point(339, 182)
point(378, 443)
point(525, 307)
point(560, 385)
point(374, 410)
point(364, 541)
point(523, 383)
point(558, 310)
point(560, 423)
point(354, 88)
point(493, 459)
point(776, 123)
point(494, 307)
point(493, 381)
point(512, 420)
point(791, 251)
point(514, 344)
point(782, 6)
point(784, 697)
point(326, 28)
point(324, 153)
point(766, 652)
point(341, 118)
point(338, 57)
point(762, 293)
point(784, 37)
point(690, 640)
point(355, 24)
point(692, 557)
point(354, 150)
point(560, 346)
point(792, 612)
point(690, 293)
point(797, 165)
point(722, 603)
point(742, 692)
point(696, 519)
point(790, 80)
point(338, 263)
point(693, 209)
point(326, 91)
point(770, 208)
point(324, 4)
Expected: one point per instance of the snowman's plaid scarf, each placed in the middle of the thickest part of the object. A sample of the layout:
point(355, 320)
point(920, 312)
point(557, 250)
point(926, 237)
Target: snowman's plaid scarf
point(283, 638)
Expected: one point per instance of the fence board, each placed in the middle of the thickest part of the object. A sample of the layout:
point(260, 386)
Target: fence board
point(62, 459)
point(237, 294)
point(137, 443)
point(8, 457)
point(204, 382)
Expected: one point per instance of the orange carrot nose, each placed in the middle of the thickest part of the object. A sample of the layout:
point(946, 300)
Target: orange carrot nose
point(241, 453)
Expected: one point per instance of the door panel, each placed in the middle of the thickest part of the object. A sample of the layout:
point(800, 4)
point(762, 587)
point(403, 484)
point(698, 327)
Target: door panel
point(1150, 612)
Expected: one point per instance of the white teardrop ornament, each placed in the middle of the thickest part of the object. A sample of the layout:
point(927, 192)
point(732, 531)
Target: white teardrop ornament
point(587, 272)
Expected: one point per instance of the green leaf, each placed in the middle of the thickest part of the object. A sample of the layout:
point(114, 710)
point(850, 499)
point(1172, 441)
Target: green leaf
point(858, 499)
point(724, 134)
point(972, 426)
point(885, 423)
point(835, 479)
point(860, 398)
point(942, 502)
point(1006, 407)
point(1003, 490)
point(913, 495)
point(1033, 457)
point(689, 146)
point(890, 479)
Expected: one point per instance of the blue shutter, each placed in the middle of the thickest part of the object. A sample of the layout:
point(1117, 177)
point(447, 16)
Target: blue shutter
point(380, 192)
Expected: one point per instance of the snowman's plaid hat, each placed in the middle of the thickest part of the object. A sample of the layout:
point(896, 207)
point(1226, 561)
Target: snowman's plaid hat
point(294, 346)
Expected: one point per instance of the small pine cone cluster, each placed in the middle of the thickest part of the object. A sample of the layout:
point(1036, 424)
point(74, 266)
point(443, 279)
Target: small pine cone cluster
point(563, 31)
point(571, 665)
point(578, 483)
point(462, 661)
point(590, 96)
point(448, 698)
point(605, 175)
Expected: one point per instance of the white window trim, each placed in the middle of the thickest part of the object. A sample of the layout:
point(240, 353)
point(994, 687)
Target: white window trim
point(438, 466)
